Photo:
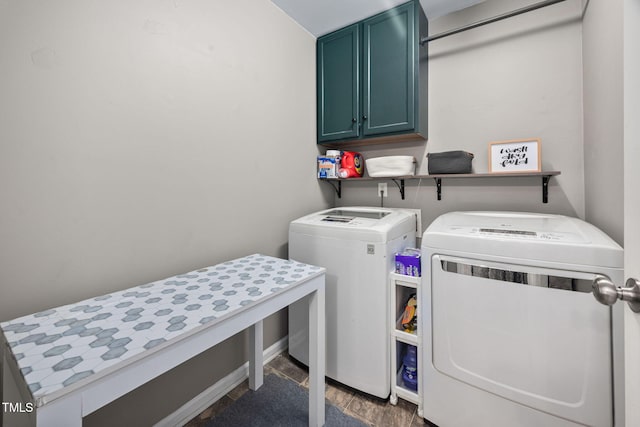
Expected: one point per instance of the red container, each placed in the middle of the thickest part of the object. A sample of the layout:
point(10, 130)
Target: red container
point(352, 165)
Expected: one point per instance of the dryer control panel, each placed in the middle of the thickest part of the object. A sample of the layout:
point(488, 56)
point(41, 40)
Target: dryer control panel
point(516, 234)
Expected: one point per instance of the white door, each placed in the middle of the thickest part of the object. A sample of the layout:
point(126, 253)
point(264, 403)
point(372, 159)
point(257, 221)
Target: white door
point(632, 202)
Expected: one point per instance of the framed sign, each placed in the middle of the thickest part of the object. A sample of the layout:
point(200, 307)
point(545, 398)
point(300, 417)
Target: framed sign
point(517, 155)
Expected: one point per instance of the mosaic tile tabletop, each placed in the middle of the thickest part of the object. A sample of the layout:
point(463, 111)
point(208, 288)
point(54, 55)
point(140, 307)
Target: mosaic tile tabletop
point(68, 344)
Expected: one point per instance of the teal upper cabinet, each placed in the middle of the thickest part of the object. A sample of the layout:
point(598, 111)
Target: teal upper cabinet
point(388, 79)
point(372, 79)
point(339, 84)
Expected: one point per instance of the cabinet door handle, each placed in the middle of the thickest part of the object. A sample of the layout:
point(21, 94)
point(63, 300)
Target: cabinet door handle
point(364, 117)
point(353, 120)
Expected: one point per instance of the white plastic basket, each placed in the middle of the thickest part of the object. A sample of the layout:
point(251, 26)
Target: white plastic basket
point(391, 166)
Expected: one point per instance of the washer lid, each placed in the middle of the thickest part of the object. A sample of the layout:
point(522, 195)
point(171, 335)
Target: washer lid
point(357, 223)
point(544, 237)
point(353, 216)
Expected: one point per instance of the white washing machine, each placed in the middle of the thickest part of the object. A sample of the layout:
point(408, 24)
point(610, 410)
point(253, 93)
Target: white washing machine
point(357, 246)
point(512, 333)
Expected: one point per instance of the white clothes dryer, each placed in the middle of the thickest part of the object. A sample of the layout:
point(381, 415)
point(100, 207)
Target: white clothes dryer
point(512, 335)
point(357, 246)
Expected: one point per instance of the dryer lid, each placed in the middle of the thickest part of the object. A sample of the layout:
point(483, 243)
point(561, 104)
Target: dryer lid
point(545, 237)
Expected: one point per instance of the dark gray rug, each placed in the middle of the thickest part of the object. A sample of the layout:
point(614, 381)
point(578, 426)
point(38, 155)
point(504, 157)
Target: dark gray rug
point(279, 402)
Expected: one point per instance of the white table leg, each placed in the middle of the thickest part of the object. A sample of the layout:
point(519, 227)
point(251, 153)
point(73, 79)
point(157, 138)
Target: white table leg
point(316, 357)
point(65, 411)
point(256, 363)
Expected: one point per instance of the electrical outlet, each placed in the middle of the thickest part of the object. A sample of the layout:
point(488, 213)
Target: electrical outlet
point(382, 189)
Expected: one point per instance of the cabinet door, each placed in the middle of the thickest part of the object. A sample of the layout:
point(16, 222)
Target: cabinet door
point(339, 84)
point(389, 71)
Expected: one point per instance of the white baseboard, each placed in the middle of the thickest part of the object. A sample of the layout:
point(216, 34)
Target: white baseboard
point(195, 406)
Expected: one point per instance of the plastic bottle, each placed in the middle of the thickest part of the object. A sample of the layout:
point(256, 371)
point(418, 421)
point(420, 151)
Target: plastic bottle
point(410, 369)
point(352, 163)
point(337, 156)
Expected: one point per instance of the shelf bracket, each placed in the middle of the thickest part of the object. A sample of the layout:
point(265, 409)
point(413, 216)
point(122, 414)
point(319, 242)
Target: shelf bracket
point(439, 187)
point(400, 186)
point(337, 188)
point(545, 188)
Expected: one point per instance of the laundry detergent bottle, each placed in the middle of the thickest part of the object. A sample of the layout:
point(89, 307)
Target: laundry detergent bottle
point(351, 165)
point(410, 368)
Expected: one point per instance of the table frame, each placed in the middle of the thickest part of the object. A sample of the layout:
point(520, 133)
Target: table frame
point(80, 401)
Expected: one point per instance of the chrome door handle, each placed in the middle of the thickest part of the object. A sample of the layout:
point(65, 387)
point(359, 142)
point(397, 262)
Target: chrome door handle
point(607, 293)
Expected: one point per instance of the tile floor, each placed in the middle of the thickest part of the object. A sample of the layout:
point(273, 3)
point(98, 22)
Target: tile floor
point(370, 410)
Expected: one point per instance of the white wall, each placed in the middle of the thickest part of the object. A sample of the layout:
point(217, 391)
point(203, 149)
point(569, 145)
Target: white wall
point(141, 139)
point(517, 78)
point(603, 116)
